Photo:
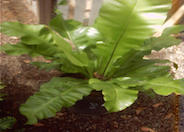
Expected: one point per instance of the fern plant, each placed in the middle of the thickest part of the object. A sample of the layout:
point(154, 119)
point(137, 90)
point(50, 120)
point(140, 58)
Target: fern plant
point(7, 123)
point(109, 54)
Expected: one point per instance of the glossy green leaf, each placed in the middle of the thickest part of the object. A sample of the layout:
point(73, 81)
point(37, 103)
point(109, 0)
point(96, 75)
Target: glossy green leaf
point(47, 50)
point(165, 85)
point(101, 53)
point(64, 27)
point(130, 57)
point(72, 30)
point(32, 50)
point(130, 61)
point(140, 19)
point(149, 71)
point(173, 30)
point(48, 66)
point(19, 49)
point(69, 67)
point(30, 34)
point(78, 59)
point(79, 37)
point(127, 82)
point(159, 43)
point(94, 36)
point(165, 40)
point(58, 93)
point(116, 97)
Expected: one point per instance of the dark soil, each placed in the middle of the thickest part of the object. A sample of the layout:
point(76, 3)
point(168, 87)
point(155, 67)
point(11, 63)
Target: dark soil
point(181, 113)
point(159, 114)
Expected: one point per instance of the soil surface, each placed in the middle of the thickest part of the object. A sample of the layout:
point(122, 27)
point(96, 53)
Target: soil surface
point(159, 114)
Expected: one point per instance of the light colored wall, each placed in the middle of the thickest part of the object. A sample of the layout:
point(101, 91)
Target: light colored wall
point(34, 6)
point(84, 11)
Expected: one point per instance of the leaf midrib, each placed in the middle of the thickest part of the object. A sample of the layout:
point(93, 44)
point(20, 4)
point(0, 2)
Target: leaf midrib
point(114, 49)
point(117, 97)
point(50, 101)
point(69, 36)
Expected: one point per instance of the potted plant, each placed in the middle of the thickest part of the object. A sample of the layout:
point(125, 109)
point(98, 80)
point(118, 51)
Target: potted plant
point(109, 54)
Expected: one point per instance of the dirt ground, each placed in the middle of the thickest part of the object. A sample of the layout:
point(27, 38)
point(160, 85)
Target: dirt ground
point(158, 114)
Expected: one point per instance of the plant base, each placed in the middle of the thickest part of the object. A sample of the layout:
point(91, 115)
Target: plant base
point(90, 105)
